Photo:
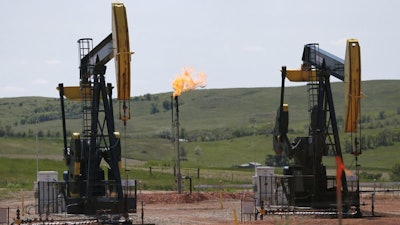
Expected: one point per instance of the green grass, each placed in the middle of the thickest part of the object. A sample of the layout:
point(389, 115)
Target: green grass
point(216, 161)
point(162, 178)
point(206, 109)
point(51, 147)
point(20, 174)
point(216, 154)
point(228, 153)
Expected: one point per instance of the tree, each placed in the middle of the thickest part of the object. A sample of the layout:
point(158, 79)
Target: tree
point(384, 138)
point(182, 133)
point(154, 108)
point(9, 130)
point(40, 133)
point(183, 154)
point(365, 119)
point(166, 105)
point(147, 97)
point(381, 115)
point(395, 173)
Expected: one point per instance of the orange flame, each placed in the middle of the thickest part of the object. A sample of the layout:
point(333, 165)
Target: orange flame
point(185, 82)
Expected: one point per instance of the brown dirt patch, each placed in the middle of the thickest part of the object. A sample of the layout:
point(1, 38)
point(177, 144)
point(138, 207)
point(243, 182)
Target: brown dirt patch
point(167, 208)
point(173, 198)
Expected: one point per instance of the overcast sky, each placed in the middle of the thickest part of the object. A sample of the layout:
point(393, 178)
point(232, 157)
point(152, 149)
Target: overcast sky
point(237, 43)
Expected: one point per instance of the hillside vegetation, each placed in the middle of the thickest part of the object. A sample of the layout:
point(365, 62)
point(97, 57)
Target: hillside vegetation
point(224, 127)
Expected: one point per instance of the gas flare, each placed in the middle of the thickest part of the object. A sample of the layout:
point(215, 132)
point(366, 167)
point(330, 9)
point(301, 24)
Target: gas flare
point(185, 82)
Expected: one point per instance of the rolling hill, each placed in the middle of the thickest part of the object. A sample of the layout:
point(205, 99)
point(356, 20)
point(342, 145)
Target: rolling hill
point(230, 126)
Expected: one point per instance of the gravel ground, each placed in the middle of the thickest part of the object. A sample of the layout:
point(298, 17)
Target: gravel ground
point(164, 208)
point(386, 208)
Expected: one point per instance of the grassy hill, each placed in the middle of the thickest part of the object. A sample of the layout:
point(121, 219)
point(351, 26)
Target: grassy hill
point(229, 126)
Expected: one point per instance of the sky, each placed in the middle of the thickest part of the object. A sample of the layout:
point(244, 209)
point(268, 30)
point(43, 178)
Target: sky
point(236, 43)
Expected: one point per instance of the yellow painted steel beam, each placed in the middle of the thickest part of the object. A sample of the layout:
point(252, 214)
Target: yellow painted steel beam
point(122, 54)
point(301, 75)
point(74, 93)
point(352, 85)
point(77, 93)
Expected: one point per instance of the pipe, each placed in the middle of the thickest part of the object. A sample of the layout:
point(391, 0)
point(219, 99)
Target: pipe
point(61, 90)
point(178, 155)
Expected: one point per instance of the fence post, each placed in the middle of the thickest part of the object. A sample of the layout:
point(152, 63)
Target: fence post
point(373, 199)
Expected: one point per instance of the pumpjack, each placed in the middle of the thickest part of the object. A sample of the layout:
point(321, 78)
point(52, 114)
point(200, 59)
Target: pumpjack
point(307, 183)
point(88, 188)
